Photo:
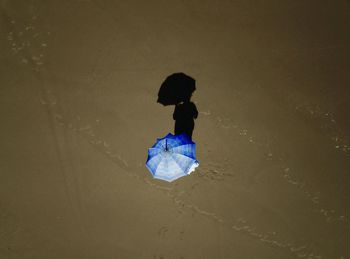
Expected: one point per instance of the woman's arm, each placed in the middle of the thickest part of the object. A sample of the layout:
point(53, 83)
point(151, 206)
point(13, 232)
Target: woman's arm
point(175, 113)
point(195, 111)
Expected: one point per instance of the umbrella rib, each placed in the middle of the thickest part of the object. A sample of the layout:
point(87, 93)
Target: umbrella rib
point(181, 153)
point(184, 155)
point(193, 161)
point(183, 144)
point(161, 161)
point(176, 162)
point(157, 164)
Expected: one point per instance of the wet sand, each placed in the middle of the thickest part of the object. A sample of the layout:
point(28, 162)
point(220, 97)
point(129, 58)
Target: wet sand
point(79, 83)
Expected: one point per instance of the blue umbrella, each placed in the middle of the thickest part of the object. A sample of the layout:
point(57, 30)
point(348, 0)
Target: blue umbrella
point(172, 157)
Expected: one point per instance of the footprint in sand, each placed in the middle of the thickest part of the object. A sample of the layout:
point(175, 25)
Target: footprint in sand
point(162, 231)
point(28, 40)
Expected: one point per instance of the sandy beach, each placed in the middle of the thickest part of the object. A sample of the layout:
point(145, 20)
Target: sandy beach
point(78, 95)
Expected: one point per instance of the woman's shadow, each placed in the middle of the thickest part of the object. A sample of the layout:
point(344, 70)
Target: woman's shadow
point(184, 115)
point(177, 90)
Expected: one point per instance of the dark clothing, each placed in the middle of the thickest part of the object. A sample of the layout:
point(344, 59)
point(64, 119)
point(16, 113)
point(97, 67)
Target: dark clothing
point(184, 116)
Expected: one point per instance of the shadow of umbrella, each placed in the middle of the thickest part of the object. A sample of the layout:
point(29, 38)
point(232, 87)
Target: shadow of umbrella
point(176, 88)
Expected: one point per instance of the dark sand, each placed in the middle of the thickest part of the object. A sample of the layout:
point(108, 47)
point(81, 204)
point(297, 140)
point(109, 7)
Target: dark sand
point(78, 91)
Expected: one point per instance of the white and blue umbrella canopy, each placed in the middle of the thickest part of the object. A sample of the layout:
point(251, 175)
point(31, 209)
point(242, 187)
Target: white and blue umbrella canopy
point(172, 157)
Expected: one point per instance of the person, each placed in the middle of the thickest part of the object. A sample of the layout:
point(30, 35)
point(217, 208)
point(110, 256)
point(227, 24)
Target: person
point(184, 114)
